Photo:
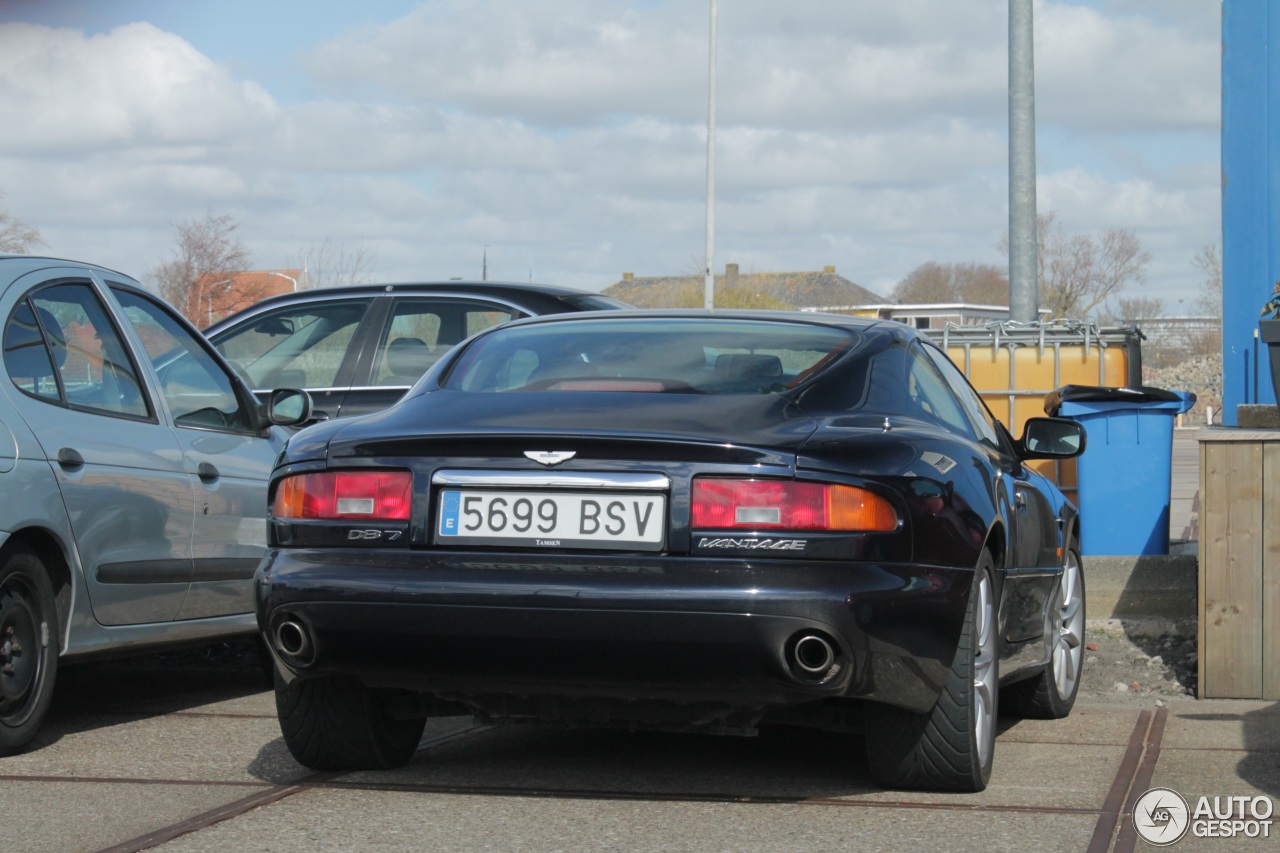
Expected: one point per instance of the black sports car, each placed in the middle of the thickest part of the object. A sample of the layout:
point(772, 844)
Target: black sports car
point(677, 520)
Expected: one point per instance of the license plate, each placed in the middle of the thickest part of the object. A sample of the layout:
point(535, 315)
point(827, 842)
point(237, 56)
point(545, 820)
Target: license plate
point(632, 521)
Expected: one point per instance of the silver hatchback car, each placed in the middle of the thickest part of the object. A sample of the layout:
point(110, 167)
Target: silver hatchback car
point(133, 468)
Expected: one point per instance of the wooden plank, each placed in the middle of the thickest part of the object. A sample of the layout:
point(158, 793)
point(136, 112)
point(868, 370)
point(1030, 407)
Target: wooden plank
point(1270, 568)
point(1232, 606)
point(1202, 558)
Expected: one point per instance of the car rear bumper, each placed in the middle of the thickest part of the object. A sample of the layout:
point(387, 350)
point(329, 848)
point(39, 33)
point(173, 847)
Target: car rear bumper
point(489, 630)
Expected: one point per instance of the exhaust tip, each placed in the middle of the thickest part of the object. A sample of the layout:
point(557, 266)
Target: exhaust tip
point(813, 657)
point(294, 641)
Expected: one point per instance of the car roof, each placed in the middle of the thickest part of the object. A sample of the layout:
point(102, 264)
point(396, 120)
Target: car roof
point(817, 318)
point(30, 263)
point(510, 291)
point(490, 288)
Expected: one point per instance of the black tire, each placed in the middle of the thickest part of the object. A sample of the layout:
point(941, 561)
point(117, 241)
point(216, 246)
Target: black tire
point(1051, 694)
point(28, 647)
point(336, 723)
point(951, 747)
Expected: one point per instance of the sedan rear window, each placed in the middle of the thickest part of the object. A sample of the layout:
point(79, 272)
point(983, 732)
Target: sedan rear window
point(654, 355)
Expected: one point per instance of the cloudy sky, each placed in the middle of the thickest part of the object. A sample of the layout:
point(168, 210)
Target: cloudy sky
point(569, 136)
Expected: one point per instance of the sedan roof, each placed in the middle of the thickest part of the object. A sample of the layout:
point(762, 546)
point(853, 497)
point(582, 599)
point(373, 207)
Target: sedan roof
point(489, 288)
point(844, 321)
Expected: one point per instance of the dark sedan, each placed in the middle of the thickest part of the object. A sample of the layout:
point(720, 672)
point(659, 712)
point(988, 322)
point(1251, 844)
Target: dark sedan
point(358, 349)
point(693, 521)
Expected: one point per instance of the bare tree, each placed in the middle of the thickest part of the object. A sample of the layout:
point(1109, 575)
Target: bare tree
point(1209, 302)
point(928, 282)
point(17, 236)
point(1209, 262)
point(332, 265)
point(1080, 272)
point(207, 256)
point(1132, 309)
point(977, 284)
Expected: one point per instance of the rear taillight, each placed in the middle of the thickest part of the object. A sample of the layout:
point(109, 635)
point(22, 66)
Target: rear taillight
point(345, 495)
point(787, 505)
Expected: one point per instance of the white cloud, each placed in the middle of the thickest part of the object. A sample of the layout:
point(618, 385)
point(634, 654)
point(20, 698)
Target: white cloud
point(136, 86)
point(569, 136)
point(1124, 74)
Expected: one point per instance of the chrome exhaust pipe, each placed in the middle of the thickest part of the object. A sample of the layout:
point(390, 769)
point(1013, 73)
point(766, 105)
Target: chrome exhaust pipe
point(813, 655)
point(294, 642)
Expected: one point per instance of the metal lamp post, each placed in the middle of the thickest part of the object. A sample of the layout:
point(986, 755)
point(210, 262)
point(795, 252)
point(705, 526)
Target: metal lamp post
point(291, 278)
point(709, 282)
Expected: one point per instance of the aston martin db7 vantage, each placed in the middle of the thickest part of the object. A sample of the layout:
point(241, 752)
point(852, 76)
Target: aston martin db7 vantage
point(689, 521)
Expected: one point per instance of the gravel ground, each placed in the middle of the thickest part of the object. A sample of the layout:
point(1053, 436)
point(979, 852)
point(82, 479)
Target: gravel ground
point(1139, 669)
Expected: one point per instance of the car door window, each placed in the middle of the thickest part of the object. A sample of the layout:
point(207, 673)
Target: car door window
point(197, 389)
point(61, 346)
point(422, 330)
point(300, 346)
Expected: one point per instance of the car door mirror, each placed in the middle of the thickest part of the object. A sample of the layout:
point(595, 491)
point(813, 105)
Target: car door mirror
point(275, 326)
point(1051, 438)
point(288, 407)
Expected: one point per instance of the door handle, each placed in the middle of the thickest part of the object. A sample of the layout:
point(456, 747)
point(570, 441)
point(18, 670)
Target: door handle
point(207, 472)
point(70, 459)
point(1020, 499)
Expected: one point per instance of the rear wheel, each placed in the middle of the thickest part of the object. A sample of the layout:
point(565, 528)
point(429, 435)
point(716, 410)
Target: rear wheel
point(337, 723)
point(1052, 693)
point(951, 746)
point(28, 647)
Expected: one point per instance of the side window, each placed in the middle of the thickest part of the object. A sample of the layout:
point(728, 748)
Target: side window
point(422, 330)
point(60, 345)
point(978, 412)
point(199, 392)
point(931, 397)
point(301, 346)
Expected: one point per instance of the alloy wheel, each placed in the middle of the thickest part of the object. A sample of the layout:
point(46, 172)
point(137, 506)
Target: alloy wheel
point(985, 687)
point(1068, 628)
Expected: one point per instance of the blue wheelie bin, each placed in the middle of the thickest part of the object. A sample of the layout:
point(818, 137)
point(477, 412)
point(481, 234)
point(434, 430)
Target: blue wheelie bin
point(1124, 473)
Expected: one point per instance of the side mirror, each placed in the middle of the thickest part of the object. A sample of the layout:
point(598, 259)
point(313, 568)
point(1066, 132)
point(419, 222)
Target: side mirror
point(274, 326)
point(288, 407)
point(1051, 438)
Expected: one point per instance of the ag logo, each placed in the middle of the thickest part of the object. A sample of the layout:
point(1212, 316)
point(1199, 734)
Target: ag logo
point(550, 457)
point(1161, 816)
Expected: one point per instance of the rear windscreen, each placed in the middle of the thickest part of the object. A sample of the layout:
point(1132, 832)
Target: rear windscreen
point(657, 355)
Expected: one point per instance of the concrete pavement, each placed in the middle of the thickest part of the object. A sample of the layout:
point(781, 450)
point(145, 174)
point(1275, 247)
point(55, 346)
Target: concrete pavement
point(137, 758)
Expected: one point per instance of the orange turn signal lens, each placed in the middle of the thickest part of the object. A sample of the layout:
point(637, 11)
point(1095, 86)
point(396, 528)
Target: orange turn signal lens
point(728, 504)
point(851, 508)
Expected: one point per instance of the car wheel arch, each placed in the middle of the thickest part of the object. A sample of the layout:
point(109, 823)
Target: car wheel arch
point(998, 545)
point(49, 549)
